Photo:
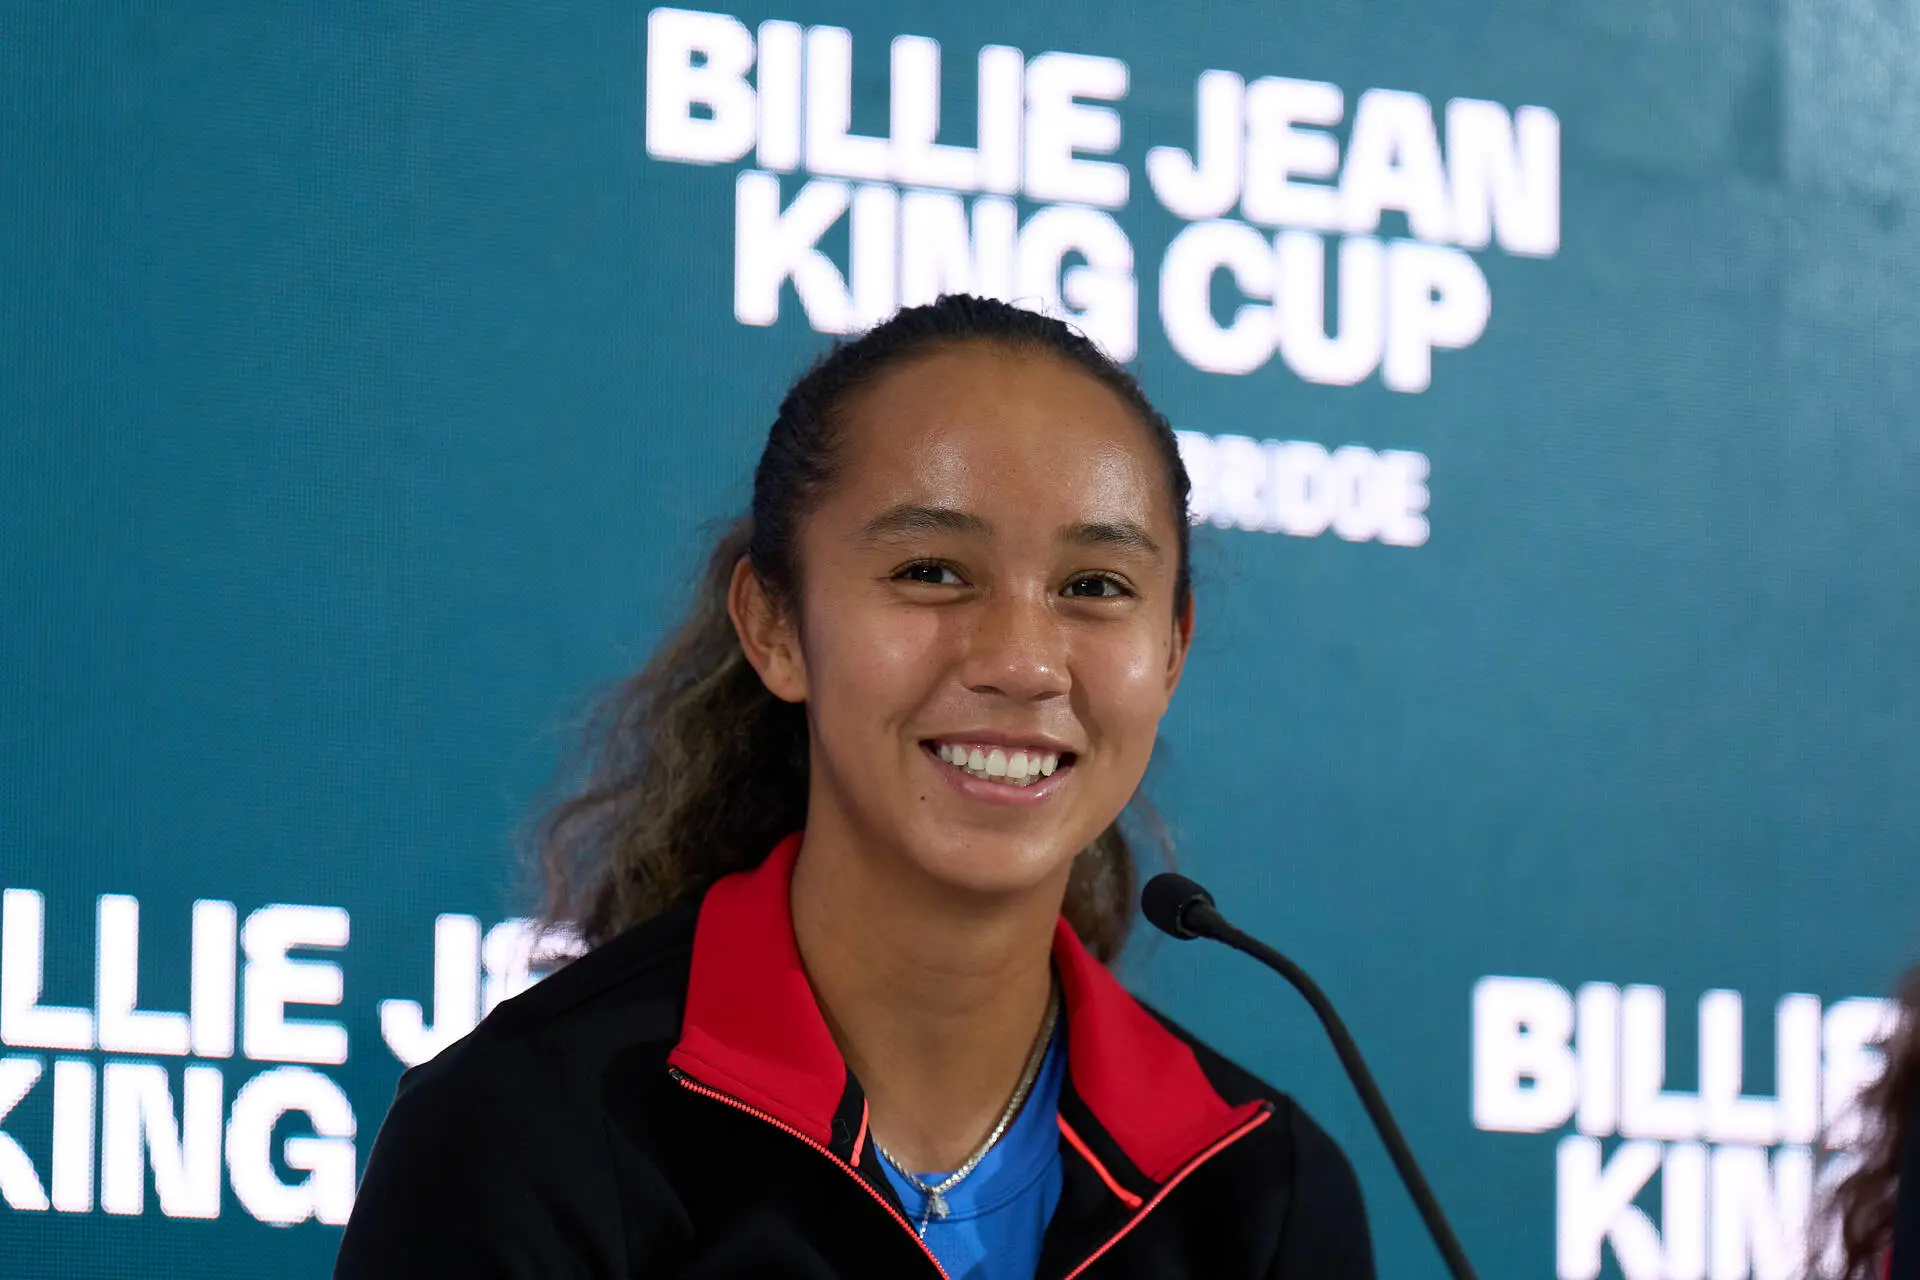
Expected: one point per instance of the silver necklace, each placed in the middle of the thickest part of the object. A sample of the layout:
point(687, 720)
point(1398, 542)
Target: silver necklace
point(936, 1196)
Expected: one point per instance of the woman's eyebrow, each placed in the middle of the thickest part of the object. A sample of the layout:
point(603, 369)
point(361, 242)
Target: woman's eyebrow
point(913, 519)
point(918, 520)
point(1121, 535)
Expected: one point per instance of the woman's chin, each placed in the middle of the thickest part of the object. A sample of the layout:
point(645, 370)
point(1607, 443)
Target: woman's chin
point(995, 866)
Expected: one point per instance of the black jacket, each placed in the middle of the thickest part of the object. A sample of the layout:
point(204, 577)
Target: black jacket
point(672, 1105)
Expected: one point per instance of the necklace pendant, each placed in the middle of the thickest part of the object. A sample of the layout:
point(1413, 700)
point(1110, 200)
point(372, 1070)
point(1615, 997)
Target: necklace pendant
point(936, 1204)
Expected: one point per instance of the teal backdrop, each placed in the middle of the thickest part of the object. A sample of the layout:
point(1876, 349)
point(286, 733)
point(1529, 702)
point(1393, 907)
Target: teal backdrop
point(371, 376)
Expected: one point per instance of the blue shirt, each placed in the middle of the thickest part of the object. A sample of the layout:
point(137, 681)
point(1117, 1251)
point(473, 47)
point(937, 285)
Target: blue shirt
point(998, 1213)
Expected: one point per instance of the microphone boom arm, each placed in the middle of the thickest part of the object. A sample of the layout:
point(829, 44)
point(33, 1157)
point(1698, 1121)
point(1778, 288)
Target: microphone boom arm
point(1198, 917)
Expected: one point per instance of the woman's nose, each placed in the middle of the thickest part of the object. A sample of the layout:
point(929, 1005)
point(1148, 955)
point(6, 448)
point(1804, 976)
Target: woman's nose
point(1017, 649)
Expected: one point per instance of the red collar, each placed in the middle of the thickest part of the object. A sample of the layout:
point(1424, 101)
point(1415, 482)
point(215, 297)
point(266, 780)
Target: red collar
point(753, 1028)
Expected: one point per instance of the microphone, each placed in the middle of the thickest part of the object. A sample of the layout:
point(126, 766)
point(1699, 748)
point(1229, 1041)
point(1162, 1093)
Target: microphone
point(1177, 906)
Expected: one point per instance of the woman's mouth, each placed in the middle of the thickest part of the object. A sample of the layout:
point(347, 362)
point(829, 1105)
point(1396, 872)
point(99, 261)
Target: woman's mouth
point(1008, 766)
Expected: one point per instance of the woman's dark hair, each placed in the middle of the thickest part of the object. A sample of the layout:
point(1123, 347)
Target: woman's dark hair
point(693, 769)
point(1859, 1214)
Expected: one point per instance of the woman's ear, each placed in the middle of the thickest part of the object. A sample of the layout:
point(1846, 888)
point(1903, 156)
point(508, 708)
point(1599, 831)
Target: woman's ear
point(767, 636)
point(1182, 642)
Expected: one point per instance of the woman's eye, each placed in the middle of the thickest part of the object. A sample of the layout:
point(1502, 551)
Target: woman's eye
point(938, 575)
point(1094, 586)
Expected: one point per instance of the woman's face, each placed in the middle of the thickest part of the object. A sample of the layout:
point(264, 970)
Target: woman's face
point(987, 633)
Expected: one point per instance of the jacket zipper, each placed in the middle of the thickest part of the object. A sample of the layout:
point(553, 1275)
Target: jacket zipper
point(689, 1082)
point(1253, 1123)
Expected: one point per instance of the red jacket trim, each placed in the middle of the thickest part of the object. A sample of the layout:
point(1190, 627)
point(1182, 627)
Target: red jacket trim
point(1126, 1197)
point(752, 1027)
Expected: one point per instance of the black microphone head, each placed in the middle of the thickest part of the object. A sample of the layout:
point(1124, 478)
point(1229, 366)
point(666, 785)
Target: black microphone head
point(1167, 899)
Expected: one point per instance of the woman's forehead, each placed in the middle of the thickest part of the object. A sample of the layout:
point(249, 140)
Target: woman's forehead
point(980, 423)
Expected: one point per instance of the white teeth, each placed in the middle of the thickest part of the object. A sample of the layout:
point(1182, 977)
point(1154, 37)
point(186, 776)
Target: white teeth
point(1015, 768)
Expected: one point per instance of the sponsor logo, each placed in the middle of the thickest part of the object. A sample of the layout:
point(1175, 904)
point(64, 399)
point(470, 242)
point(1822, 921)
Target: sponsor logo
point(1712, 1183)
point(233, 1089)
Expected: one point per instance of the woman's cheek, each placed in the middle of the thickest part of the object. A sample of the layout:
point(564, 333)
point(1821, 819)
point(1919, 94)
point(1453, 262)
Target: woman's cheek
point(882, 657)
point(1127, 694)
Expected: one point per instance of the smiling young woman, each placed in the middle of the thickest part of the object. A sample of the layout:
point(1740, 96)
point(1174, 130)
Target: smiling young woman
point(849, 864)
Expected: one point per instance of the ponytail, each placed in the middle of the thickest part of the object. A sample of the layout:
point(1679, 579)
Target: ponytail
point(697, 771)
